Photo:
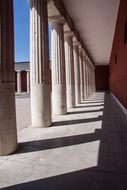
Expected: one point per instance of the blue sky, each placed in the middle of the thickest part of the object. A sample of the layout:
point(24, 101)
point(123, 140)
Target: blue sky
point(22, 30)
point(21, 26)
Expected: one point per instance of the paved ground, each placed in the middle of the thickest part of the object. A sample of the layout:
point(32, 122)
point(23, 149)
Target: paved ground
point(85, 149)
point(23, 111)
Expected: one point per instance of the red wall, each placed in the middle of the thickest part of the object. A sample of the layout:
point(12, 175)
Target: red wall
point(23, 81)
point(118, 60)
point(102, 77)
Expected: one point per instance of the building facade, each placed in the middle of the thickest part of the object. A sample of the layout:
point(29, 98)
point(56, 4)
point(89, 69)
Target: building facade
point(22, 77)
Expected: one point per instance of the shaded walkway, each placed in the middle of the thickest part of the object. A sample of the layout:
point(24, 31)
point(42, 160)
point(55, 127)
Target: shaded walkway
point(85, 149)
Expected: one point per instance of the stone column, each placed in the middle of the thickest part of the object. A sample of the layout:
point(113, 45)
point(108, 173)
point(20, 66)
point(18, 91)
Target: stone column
point(8, 132)
point(59, 106)
point(88, 79)
point(84, 77)
point(69, 60)
point(93, 79)
point(39, 65)
point(77, 73)
point(91, 71)
point(28, 82)
point(19, 82)
point(94, 84)
point(86, 68)
point(81, 73)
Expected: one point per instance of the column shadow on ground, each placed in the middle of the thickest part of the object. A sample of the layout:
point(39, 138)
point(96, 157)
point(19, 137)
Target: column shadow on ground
point(39, 145)
point(83, 112)
point(88, 106)
point(76, 121)
point(92, 102)
point(110, 173)
point(89, 179)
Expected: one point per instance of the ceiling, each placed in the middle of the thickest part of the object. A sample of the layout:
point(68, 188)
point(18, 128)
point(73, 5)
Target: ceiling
point(95, 20)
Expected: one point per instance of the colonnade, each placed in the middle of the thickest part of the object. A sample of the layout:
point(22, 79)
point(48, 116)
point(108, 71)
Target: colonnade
point(72, 71)
point(73, 78)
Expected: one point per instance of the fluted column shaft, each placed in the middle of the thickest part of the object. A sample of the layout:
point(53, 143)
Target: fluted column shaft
point(69, 60)
point(81, 73)
point(94, 80)
point(88, 79)
point(91, 71)
point(84, 78)
point(59, 106)
point(19, 81)
point(39, 67)
point(87, 87)
point(90, 82)
point(77, 73)
point(8, 132)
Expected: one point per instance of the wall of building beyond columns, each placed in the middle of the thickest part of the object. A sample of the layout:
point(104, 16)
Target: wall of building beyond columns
point(102, 77)
point(118, 60)
point(22, 81)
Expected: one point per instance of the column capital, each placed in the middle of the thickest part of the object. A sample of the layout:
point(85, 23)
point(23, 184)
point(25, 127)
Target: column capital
point(84, 56)
point(69, 34)
point(84, 53)
point(56, 19)
point(32, 2)
point(80, 49)
point(87, 59)
point(90, 62)
point(75, 41)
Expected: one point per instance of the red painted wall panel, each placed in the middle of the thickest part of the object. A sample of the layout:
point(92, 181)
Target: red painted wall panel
point(118, 60)
point(102, 77)
point(23, 81)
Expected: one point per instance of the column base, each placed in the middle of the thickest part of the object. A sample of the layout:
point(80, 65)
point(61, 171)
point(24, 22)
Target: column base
point(82, 92)
point(41, 105)
point(77, 94)
point(70, 96)
point(8, 131)
point(59, 106)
